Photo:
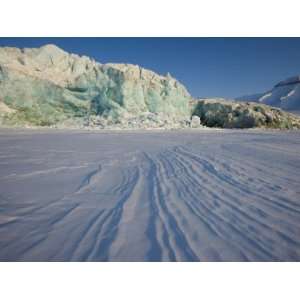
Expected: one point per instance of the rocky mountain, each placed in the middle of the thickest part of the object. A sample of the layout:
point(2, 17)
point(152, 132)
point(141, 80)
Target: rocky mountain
point(48, 86)
point(285, 94)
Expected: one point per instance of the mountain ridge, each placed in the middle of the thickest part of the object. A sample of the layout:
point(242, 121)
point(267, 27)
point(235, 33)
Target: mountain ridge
point(285, 95)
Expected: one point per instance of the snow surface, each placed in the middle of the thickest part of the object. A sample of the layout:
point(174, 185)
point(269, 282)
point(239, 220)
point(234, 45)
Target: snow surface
point(214, 195)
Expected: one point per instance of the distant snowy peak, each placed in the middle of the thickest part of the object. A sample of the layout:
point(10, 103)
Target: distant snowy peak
point(250, 98)
point(290, 81)
point(285, 94)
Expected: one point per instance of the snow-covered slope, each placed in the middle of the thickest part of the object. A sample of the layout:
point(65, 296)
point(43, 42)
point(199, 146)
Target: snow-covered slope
point(285, 94)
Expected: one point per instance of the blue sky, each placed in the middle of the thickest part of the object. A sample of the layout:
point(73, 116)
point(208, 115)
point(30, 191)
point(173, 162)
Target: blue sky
point(222, 67)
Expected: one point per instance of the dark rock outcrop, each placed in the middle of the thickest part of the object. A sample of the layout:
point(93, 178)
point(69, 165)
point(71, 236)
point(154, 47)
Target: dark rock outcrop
point(231, 114)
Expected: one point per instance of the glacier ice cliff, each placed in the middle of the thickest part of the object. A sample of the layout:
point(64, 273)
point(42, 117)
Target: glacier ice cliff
point(47, 86)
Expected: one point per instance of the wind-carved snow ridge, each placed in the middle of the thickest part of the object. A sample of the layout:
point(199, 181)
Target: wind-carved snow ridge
point(166, 196)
